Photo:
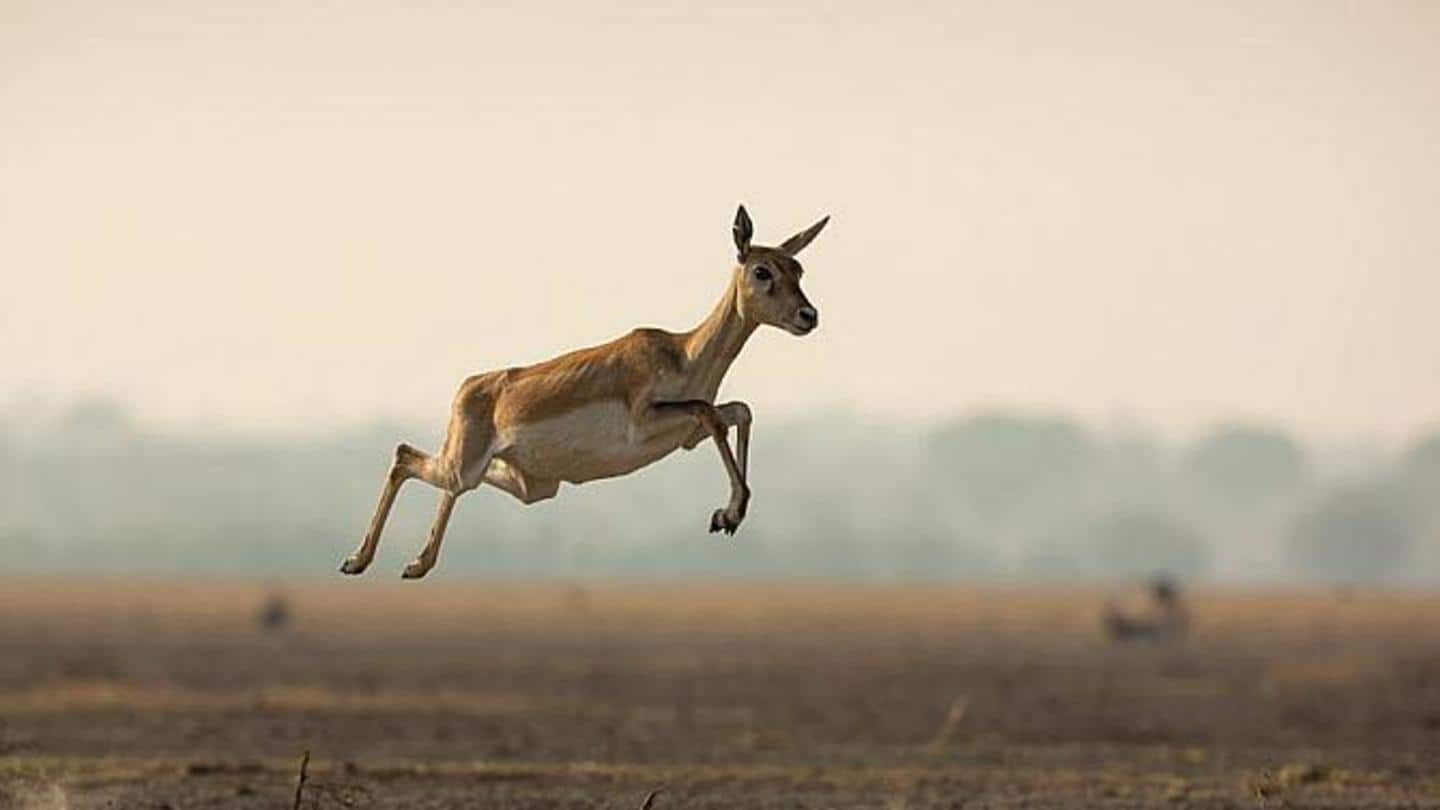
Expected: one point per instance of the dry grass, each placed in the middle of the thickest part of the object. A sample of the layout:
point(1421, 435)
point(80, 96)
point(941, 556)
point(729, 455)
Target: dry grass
point(572, 695)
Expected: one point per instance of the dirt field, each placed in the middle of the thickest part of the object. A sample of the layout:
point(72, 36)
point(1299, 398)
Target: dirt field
point(449, 695)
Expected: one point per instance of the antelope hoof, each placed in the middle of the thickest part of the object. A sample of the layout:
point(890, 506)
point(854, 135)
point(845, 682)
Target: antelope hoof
point(416, 569)
point(354, 565)
point(724, 521)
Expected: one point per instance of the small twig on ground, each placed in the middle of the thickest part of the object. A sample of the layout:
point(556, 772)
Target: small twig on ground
point(952, 722)
point(300, 783)
point(650, 799)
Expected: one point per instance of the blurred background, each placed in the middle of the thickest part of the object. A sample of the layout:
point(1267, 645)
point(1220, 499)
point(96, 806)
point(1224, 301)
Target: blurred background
point(1108, 289)
point(1003, 495)
point(1112, 477)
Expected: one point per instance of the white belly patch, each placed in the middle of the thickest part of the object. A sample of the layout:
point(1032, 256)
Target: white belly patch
point(592, 441)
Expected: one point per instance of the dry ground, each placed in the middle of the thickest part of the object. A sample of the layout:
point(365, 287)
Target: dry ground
point(476, 694)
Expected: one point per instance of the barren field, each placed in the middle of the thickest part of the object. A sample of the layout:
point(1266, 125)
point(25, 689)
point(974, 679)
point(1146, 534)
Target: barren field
point(450, 694)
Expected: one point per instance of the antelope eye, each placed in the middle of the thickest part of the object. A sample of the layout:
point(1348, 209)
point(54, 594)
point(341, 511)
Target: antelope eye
point(761, 274)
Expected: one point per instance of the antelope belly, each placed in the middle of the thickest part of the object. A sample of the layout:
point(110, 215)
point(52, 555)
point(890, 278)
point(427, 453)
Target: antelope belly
point(593, 441)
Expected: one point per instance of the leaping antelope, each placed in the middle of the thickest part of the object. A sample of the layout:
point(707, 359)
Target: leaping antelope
point(608, 410)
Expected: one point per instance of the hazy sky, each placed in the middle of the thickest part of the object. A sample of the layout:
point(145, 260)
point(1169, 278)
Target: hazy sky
point(282, 216)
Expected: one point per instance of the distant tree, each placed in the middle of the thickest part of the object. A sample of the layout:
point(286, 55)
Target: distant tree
point(1140, 542)
point(1246, 467)
point(9, 474)
point(96, 417)
point(1417, 477)
point(1420, 467)
point(1355, 534)
point(1134, 467)
point(921, 553)
point(1004, 465)
point(1055, 564)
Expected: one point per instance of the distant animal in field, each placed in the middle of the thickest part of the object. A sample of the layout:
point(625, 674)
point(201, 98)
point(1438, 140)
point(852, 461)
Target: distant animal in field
point(611, 409)
point(1157, 615)
point(274, 614)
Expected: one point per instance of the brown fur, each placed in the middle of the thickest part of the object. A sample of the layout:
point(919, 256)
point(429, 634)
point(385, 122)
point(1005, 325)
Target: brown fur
point(609, 409)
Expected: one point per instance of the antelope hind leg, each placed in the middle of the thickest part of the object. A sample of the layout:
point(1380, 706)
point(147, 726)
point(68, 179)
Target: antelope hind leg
point(409, 463)
point(466, 462)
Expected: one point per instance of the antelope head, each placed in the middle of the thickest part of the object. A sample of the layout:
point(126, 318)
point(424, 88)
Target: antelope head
point(767, 279)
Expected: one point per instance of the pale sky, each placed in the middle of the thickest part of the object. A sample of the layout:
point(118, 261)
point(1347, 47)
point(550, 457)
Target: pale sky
point(274, 216)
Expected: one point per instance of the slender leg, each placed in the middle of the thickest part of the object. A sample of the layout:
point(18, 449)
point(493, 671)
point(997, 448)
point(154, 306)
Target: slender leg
point(431, 553)
point(727, 519)
point(738, 414)
point(471, 462)
point(458, 468)
point(409, 463)
point(742, 445)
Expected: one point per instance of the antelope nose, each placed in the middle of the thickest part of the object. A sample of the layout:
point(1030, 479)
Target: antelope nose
point(808, 317)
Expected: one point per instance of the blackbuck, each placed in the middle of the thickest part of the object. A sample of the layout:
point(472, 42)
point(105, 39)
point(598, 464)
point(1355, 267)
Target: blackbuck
point(1157, 615)
point(608, 410)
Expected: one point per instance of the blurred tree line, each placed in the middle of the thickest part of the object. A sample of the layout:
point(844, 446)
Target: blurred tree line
point(990, 495)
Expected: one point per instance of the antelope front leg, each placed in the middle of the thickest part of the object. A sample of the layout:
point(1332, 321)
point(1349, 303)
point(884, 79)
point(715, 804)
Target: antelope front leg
point(713, 421)
point(738, 414)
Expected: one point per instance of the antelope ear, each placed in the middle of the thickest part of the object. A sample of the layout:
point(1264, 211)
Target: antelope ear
point(797, 243)
point(743, 230)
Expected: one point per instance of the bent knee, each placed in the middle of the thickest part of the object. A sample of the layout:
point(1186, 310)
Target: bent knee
point(738, 413)
point(408, 463)
point(401, 465)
